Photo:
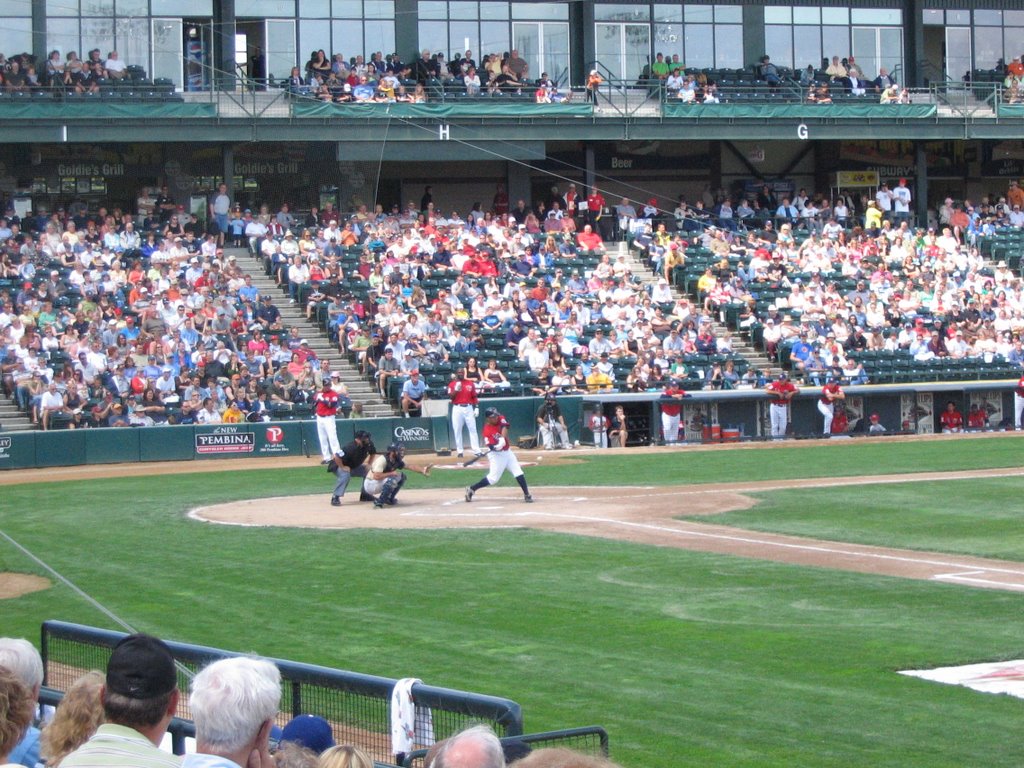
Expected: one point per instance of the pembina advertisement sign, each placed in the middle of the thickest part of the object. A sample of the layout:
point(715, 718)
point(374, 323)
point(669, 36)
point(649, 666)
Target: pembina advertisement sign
point(225, 440)
point(236, 440)
point(274, 439)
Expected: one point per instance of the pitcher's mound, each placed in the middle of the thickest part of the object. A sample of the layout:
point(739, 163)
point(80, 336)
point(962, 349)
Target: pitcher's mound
point(17, 584)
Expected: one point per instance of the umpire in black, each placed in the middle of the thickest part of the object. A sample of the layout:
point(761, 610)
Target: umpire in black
point(351, 461)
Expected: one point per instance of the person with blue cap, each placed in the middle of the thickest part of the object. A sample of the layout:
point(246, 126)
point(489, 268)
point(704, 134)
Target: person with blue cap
point(309, 731)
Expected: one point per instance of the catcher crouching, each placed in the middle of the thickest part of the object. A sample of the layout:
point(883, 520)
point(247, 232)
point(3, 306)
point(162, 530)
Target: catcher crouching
point(386, 476)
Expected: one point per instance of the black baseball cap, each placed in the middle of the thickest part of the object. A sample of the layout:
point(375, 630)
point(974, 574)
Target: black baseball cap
point(141, 667)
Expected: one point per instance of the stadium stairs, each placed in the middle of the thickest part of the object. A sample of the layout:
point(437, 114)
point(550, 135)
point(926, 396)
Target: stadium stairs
point(741, 345)
point(12, 419)
point(360, 390)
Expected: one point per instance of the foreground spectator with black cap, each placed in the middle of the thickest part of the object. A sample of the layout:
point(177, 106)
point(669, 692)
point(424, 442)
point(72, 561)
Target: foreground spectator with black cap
point(139, 699)
point(234, 703)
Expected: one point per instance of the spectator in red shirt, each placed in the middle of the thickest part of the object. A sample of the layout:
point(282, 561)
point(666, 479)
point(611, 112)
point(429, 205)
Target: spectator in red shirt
point(951, 419)
point(595, 205)
point(589, 240)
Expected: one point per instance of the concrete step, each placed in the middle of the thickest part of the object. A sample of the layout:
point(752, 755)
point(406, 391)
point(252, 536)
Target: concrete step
point(12, 418)
point(740, 343)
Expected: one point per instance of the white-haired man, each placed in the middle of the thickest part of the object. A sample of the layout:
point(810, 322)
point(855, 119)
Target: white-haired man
point(234, 702)
point(21, 658)
point(475, 747)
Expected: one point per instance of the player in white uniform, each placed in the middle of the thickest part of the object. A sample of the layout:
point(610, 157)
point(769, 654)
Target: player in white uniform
point(465, 404)
point(325, 404)
point(499, 455)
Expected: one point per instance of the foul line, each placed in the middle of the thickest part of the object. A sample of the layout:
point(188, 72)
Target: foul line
point(781, 544)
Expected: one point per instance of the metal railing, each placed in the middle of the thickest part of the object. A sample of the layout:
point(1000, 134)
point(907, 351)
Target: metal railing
point(355, 704)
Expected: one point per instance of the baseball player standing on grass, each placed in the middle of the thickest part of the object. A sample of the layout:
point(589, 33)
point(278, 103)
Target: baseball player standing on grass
point(325, 404)
point(465, 408)
point(781, 391)
point(349, 461)
point(499, 456)
point(671, 407)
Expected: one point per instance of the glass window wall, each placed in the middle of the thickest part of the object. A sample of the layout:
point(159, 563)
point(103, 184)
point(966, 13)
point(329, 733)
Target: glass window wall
point(537, 30)
point(349, 27)
point(696, 36)
point(799, 36)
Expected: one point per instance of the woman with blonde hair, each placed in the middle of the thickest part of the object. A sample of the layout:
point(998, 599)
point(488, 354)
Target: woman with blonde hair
point(79, 715)
point(345, 756)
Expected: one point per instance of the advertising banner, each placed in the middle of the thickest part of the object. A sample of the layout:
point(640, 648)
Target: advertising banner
point(17, 450)
point(233, 441)
point(415, 434)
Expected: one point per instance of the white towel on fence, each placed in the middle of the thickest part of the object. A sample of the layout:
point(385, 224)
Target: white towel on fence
point(410, 725)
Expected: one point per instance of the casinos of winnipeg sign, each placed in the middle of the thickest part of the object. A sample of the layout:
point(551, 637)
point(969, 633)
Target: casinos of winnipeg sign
point(413, 436)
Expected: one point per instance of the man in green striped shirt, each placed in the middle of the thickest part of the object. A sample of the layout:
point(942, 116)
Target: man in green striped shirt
point(139, 699)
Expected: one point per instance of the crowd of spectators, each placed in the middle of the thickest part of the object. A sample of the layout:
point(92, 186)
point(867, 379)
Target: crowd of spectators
point(381, 78)
point(22, 73)
point(103, 324)
point(121, 717)
point(822, 293)
point(840, 78)
point(106, 325)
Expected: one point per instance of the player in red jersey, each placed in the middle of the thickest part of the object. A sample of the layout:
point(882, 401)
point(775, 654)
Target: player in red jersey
point(832, 396)
point(951, 419)
point(325, 405)
point(781, 391)
point(499, 455)
point(671, 403)
point(465, 407)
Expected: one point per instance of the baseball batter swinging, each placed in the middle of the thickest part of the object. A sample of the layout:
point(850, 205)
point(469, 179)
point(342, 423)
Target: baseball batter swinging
point(500, 456)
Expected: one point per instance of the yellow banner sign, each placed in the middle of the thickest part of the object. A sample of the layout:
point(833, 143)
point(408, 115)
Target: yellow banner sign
point(856, 178)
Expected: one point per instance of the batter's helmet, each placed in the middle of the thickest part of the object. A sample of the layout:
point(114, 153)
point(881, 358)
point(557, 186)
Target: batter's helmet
point(491, 412)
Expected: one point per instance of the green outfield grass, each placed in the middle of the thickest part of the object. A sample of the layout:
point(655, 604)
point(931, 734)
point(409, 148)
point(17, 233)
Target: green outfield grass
point(935, 516)
point(688, 659)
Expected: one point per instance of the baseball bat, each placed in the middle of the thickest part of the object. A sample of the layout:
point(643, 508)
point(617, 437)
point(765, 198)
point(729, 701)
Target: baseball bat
point(474, 460)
